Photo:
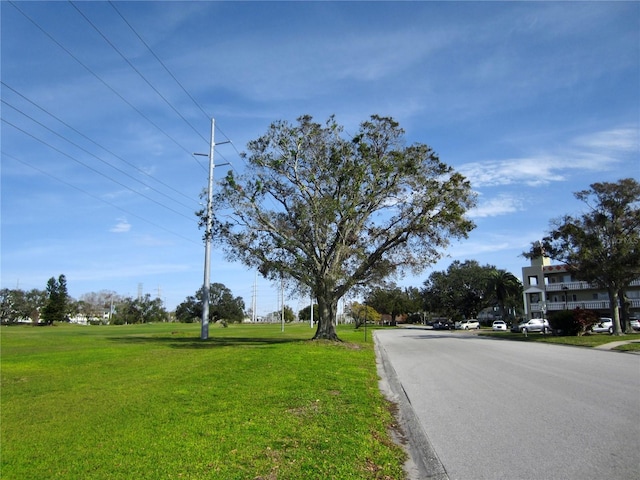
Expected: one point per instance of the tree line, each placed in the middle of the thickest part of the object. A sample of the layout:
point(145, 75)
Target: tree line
point(54, 305)
point(460, 292)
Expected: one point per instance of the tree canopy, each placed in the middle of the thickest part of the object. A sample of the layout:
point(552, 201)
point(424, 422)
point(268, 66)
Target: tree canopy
point(393, 300)
point(140, 310)
point(506, 290)
point(330, 211)
point(601, 246)
point(55, 310)
point(461, 291)
point(222, 306)
point(17, 305)
point(363, 313)
point(304, 315)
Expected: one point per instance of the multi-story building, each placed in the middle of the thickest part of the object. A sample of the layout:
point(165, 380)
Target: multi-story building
point(549, 288)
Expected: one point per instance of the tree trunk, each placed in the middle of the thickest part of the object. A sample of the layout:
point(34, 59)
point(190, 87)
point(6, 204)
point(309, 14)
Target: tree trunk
point(615, 311)
point(625, 314)
point(503, 310)
point(327, 309)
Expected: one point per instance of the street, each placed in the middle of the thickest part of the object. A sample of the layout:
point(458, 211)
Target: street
point(497, 409)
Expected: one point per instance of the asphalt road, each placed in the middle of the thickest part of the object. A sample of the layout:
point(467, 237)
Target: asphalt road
point(495, 409)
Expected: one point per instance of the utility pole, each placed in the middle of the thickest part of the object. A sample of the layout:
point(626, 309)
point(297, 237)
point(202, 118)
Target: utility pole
point(254, 300)
point(282, 293)
point(204, 329)
point(311, 321)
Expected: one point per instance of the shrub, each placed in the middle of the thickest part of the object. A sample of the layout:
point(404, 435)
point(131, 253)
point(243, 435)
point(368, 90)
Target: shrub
point(572, 322)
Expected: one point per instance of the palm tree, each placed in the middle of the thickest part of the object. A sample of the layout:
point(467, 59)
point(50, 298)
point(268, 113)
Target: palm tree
point(506, 289)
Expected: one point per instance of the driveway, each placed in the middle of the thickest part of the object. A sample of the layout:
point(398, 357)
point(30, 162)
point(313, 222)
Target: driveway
point(481, 408)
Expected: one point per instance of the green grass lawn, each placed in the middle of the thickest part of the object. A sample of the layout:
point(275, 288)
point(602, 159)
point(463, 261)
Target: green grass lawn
point(156, 402)
point(591, 340)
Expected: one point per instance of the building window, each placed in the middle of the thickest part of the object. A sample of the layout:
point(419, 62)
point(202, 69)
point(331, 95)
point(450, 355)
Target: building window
point(533, 280)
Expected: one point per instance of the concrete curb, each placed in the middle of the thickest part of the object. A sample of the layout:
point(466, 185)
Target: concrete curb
point(424, 462)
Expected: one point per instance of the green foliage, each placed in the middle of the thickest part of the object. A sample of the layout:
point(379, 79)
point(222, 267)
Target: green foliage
point(20, 306)
point(141, 310)
point(56, 308)
point(222, 306)
point(363, 313)
point(304, 315)
point(289, 316)
point(506, 292)
point(574, 322)
point(629, 347)
point(330, 212)
point(156, 402)
point(461, 291)
point(394, 301)
point(190, 310)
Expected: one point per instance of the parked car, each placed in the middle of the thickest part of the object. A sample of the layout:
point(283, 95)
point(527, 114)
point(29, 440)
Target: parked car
point(534, 325)
point(443, 325)
point(498, 326)
point(468, 324)
point(635, 324)
point(604, 325)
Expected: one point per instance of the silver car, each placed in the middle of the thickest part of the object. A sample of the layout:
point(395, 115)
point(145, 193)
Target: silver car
point(535, 325)
point(604, 325)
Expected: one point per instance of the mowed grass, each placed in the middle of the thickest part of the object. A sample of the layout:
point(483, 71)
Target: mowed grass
point(156, 402)
point(589, 340)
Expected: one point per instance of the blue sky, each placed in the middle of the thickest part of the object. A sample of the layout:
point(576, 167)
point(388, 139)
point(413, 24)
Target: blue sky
point(531, 101)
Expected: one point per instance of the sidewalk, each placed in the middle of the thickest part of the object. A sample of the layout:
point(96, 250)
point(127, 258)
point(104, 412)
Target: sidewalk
point(612, 345)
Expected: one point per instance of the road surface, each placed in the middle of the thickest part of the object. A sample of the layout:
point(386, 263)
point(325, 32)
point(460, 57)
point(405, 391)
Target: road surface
point(497, 409)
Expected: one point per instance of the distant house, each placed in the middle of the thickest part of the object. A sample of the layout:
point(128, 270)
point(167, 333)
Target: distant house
point(549, 288)
point(87, 319)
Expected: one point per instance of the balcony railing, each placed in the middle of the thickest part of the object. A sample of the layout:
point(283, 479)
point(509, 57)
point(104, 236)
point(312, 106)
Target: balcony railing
point(585, 304)
point(572, 286)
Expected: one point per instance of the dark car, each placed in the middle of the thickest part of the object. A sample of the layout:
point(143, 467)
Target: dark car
point(443, 325)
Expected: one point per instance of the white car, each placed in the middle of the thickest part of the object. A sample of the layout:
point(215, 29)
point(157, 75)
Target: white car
point(635, 324)
point(467, 324)
point(498, 326)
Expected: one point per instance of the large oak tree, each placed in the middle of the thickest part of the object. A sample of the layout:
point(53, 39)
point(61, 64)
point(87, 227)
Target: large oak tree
point(331, 211)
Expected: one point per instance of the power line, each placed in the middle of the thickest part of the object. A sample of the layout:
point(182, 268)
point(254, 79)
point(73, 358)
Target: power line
point(188, 152)
point(96, 171)
point(98, 198)
point(136, 70)
point(93, 155)
point(195, 102)
point(207, 116)
point(118, 94)
point(139, 170)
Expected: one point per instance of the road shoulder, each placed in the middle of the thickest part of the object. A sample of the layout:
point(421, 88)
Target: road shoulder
point(422, 463)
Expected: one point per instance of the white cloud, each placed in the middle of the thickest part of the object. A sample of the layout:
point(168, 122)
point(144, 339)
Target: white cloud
point(123, 226)
point(501, 205)
point(599, 151)
point(617, 140)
